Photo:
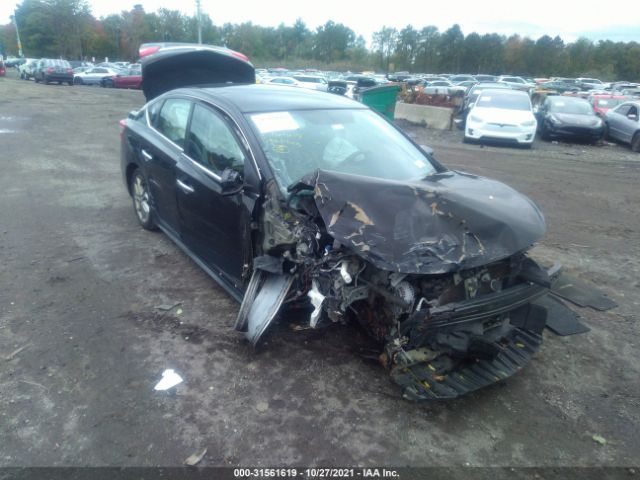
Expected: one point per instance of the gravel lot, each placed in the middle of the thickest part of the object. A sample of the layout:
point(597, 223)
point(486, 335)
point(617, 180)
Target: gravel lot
point(82, 342)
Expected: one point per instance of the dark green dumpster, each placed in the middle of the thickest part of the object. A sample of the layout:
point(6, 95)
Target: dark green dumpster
point(381, 98)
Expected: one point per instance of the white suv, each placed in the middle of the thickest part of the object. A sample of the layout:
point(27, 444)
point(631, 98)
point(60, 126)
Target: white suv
point(314, 82)
point(501, 115)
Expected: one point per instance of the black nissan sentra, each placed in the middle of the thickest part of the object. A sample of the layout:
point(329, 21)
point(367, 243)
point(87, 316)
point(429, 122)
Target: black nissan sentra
point(289, 196)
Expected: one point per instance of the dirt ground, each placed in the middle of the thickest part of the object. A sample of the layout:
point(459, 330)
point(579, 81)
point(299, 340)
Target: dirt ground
point(83, 342)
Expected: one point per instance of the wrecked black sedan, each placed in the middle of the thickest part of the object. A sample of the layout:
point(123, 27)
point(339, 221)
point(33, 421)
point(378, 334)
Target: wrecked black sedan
point(289, 196)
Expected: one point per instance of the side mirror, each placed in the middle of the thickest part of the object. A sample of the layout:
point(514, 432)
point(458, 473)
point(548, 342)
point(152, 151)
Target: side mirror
point(427, 149)
point(232, 181)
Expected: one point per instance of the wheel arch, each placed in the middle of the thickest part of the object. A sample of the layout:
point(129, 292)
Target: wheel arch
point(130, 170)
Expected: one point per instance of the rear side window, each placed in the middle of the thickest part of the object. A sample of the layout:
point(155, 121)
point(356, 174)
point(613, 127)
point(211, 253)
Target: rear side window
point(623, 109)
point(173, 118)
point(211, 142)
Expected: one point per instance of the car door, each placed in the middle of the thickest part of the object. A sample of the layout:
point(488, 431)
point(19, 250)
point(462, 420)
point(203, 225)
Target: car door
point(615, 119)
point(629, 124)
point(161, 152)
point(213, 223)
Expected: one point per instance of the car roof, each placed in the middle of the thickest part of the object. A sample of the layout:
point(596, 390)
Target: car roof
point(503, 91)
point(272, 98)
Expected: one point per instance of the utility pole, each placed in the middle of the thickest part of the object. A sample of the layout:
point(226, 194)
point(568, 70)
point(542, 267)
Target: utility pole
point(199, 22)
point(15, 24)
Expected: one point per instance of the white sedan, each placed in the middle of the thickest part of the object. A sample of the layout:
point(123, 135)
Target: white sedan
point(502, 115)
point(93, 76)
point(287, 81)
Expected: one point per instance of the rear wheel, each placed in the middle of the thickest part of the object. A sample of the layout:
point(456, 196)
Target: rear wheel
point(635, 142)
point(605, 134)
point(141, 203)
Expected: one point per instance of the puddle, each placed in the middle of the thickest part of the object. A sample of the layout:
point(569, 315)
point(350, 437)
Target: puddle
point(12, 124)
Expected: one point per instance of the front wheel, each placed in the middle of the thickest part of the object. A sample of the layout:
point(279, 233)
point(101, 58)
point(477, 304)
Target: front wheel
point(141, 203)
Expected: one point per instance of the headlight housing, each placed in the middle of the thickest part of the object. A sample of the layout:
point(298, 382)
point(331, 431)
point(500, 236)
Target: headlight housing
point(554, 120)
point(474, 118)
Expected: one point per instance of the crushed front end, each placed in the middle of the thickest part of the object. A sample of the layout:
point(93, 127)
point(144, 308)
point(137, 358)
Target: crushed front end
point(436, 272)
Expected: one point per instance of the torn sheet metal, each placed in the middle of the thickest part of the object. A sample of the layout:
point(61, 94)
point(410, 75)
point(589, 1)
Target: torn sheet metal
point(561, 320)
point(446, 222)
point(267, 302)
point(581, 293)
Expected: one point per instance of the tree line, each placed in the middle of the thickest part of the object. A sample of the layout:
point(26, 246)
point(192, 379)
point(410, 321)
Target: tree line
point(67, 28)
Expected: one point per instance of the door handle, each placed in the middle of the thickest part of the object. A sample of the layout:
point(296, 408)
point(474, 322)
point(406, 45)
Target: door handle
point(146, 154)
point(184, 187)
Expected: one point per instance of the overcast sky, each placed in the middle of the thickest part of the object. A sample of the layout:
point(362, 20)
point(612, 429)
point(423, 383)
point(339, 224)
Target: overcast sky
point(569, 19)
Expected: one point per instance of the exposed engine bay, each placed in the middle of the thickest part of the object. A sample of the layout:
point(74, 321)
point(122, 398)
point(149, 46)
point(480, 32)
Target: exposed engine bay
point(441, 334)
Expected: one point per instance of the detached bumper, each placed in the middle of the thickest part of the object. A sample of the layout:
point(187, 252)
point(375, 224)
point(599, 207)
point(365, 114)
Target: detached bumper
point(460, 347)
point(424, 381)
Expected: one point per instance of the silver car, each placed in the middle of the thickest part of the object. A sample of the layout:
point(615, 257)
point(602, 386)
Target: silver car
point(622, 124)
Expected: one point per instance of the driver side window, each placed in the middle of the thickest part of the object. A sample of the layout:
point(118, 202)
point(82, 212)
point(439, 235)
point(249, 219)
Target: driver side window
point(212, 143)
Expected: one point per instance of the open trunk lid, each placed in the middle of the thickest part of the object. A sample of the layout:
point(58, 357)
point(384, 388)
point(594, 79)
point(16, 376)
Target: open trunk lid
point(167, 66)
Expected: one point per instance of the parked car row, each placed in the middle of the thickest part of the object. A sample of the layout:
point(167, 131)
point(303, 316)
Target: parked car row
point(110, 75)
point(507, 115)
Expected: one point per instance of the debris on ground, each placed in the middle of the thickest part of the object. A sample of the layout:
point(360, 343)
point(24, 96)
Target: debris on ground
point(599, 439)
point(195, 458)
point(168, 307)
point(169, 380)
point(262, 407)
point(13, 354)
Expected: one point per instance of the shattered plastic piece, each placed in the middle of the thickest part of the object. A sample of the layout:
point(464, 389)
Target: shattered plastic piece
point(561, 320)
point(317, 299)
point(599, 439)
point(168, 307)
point(267, 302)
point(169, 380)
point(262, 407)
point(582, 294)
point(195, 458)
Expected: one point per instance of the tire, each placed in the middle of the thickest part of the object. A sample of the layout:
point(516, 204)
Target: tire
point(78, 81)
point(605, 134)
point(635, 142)
point(140, 197)
point(108, 83)
point(35, 79)
point(70, 83)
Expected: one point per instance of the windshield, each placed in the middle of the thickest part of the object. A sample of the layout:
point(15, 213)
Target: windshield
point(492, 99)
point(591, 80)
point(580, 107)
point(609, 102)
point(358, 142)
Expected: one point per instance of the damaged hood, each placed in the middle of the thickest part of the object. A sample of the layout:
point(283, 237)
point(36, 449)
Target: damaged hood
point(167, 66)
point(449, 221)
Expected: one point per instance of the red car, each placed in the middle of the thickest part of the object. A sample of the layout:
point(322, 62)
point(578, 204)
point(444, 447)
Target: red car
point(602, 103)
point(132, 79)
